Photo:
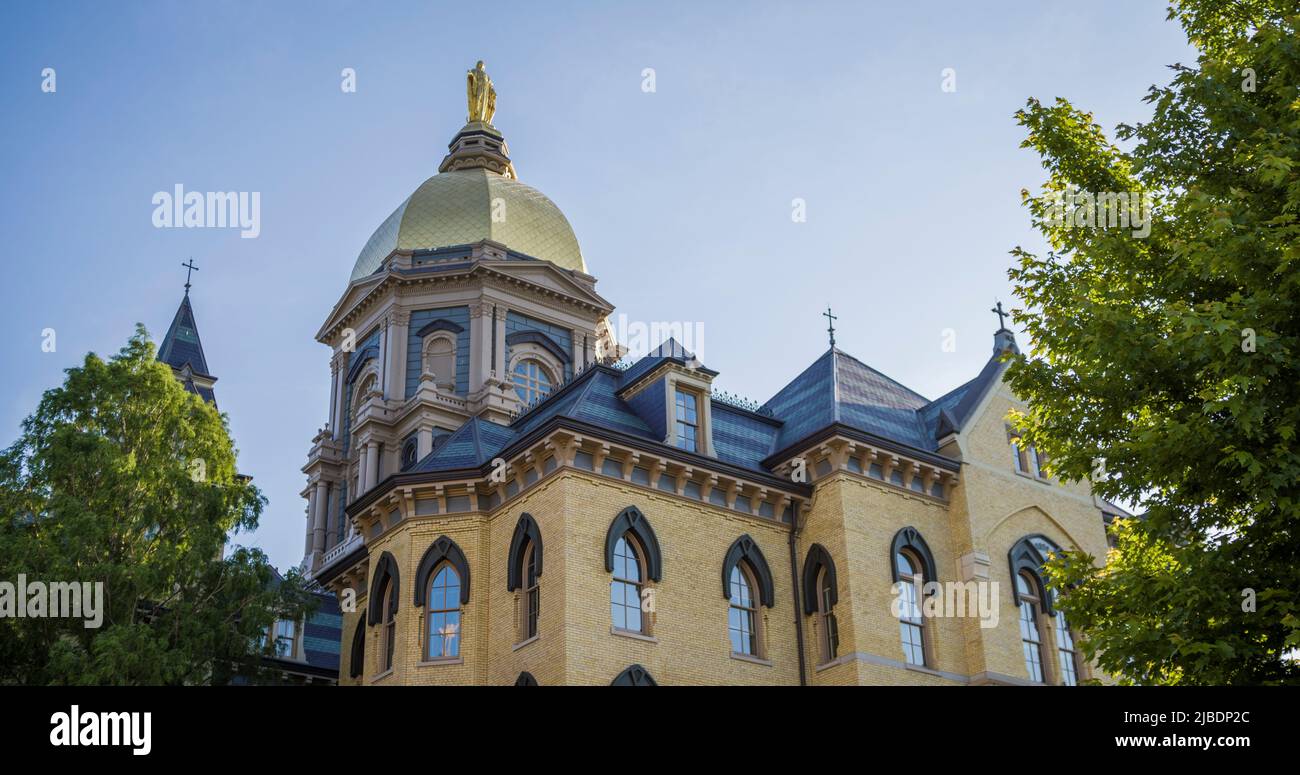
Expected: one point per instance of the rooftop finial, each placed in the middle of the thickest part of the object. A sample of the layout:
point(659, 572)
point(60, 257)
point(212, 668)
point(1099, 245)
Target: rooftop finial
point(481, 94)
point(190, 268)
point(830, 329)
point(1002, 324)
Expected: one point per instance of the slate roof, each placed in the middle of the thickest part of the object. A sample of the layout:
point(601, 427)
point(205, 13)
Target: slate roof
point(182, 347)
point(837, 389)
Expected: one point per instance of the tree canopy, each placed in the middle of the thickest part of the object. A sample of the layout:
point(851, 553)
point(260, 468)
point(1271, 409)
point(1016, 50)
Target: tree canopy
point(121, 476)
point(1164, 367)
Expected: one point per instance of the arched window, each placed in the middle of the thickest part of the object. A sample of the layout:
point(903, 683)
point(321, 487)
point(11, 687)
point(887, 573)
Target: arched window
point(524, 569)
point(634, 676)
point(1066, 656)
point(820, 594)
point(439, 361)
point(370, 384)
point(1031, 637)
point(625, 587)
point(525, 679)
point(442, 584)
point(830, 630)
point(742, 619)
point(533, 381)
point(911, 624)
point(444, 614)
point(358, 658)
point(385, 586)
point(389, 627)
point(913, 568)
point(532, 592)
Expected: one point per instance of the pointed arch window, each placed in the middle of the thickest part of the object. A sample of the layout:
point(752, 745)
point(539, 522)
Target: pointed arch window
point(911, 624)
point(1066, 656)
point(746, 583)
point(820, 596)
point(1031, 636)
point(443, 640)
point(524, 570)
point(625, 587)
point(384, 590)
point(442, 588)
point(634, 676)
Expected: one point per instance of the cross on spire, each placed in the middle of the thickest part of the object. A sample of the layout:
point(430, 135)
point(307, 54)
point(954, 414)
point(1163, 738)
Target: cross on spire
point(830, 329)
point(1002, 324)
point(190, 268)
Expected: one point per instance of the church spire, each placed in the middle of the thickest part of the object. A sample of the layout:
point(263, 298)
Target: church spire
point(182, 349)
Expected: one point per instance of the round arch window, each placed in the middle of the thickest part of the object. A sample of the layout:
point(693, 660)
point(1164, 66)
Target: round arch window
point(532, 381)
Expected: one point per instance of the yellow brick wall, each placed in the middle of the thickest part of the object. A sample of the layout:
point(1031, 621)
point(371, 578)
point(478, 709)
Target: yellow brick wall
point(854, 517)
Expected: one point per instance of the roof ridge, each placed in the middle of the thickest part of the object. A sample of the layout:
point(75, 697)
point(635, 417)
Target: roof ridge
point(880, 373)
point(799, 376)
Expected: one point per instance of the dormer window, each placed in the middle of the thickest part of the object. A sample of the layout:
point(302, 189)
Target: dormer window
point(687, 421)
point(533, 381)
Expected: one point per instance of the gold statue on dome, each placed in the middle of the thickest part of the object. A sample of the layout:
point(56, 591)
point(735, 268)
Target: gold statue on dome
point(481, 95)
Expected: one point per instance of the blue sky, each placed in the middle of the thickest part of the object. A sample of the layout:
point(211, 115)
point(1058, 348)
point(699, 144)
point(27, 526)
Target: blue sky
point(681, 198)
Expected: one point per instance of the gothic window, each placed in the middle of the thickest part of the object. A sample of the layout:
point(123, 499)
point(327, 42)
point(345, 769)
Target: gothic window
point(444, 614)
point(1031, 637)
point(533, 381)
point(820, 595)
point(1067, 658)
point(625, 587)
point(634, 676)
point(742, 619)
point(389, 627)
point(911, 624)
point(524, 571)
point(532, 593)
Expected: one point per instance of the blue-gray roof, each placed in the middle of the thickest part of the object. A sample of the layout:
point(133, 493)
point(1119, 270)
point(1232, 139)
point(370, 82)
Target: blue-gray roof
point(836, 390)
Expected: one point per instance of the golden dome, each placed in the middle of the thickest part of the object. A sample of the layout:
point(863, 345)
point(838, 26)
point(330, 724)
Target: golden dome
point(464, 206)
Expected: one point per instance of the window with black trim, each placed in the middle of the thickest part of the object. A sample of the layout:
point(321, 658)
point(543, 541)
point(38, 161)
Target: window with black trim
point(443, 641)
point(1031, 635)
point(625, 587)
point(830, 630)
point(742, 613)
point(389, 625)
point(532, 593)
point(911, 624)
point(1067, 657)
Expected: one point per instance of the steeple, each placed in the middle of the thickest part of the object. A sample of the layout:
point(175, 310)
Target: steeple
point(183, 351)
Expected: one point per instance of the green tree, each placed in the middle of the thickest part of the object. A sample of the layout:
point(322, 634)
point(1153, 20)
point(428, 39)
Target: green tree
point(121, 476)
point(1165, 368)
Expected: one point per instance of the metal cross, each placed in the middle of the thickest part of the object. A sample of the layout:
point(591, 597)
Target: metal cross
point(1002, 324)
point(190, 268)
point(830, 329)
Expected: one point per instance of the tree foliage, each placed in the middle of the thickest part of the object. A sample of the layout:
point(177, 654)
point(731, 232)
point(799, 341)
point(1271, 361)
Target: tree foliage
point(1165, 368)
point(121, 476)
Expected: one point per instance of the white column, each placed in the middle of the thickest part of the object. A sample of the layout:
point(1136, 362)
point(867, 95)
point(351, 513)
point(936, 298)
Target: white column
point(499, 365)
point(396, 366)
point(320, 508)
point(423, 441)
point(339, 376)
point(308, 530)
point(478, 349)
point(372, 465)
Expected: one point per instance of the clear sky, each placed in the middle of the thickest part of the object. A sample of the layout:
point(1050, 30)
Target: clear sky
point(681, 198)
